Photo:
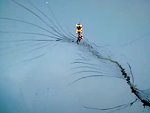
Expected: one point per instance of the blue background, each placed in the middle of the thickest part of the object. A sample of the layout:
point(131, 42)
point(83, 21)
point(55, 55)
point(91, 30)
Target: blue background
point(122, 28)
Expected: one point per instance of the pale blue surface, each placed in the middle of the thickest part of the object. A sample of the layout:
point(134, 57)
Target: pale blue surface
point(41, 85)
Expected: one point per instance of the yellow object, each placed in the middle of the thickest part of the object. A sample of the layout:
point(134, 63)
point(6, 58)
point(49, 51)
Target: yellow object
point(78, 31)
point(77, 25)
point(79, 28)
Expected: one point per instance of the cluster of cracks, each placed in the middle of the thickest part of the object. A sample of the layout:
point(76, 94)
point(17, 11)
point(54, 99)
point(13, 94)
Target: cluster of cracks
point(57, 35)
